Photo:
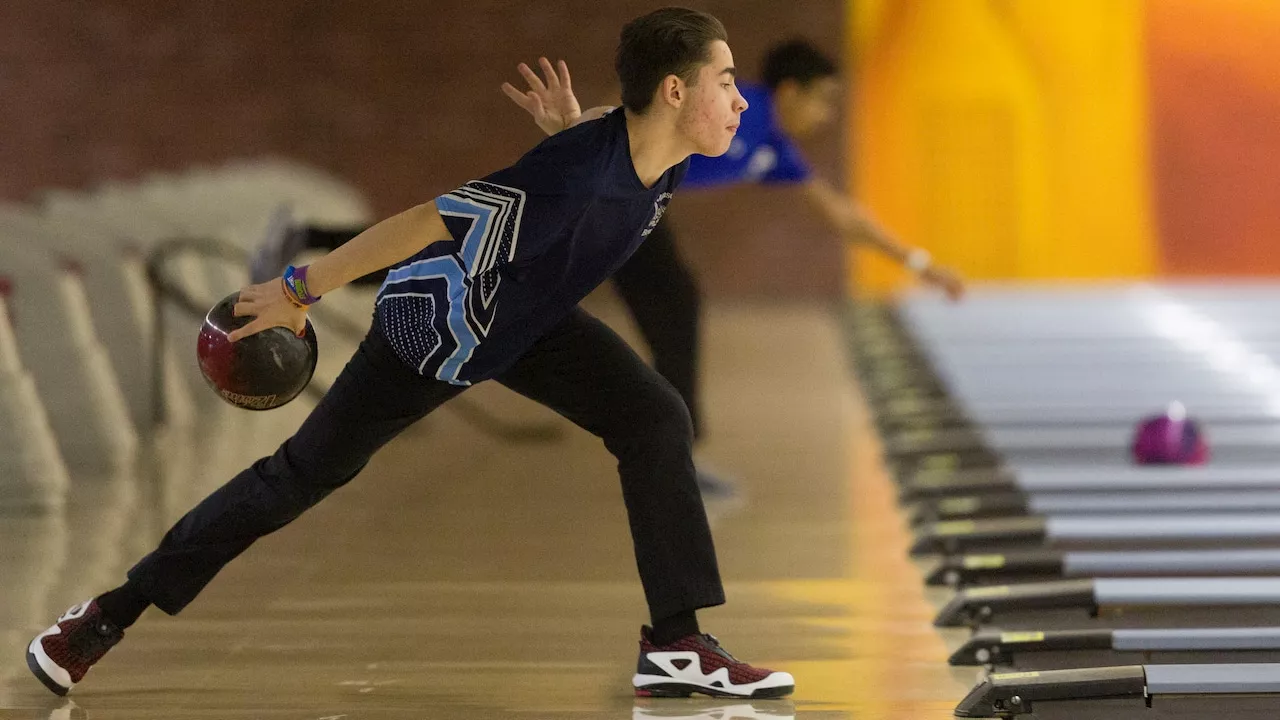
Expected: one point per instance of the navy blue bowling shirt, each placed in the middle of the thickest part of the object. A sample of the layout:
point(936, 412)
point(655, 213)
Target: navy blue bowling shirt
point(528, 244)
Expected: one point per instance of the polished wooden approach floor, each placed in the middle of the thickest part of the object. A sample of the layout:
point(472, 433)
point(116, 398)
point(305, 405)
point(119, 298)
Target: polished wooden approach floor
point(461, 577)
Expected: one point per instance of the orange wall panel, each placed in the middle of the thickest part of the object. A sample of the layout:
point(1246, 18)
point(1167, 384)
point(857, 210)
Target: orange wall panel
point(1215, 93)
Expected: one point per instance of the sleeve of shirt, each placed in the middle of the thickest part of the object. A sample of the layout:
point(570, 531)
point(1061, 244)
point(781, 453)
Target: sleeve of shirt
point(791, 167)
point(516, 209)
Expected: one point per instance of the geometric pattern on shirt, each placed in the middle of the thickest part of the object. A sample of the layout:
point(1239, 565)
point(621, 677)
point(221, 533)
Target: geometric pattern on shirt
point(495, 213)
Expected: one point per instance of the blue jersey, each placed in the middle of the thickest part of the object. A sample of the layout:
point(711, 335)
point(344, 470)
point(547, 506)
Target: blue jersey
point(528, 243)
point(760, 152)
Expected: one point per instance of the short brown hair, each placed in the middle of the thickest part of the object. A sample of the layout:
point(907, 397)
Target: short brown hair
point(671, 41)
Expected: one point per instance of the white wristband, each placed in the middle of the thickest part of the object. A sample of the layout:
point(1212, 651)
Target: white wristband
point(918, 260)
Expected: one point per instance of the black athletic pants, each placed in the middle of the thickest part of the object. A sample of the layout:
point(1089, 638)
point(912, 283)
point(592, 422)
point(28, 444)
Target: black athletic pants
point(656, 286)
point(581, 369)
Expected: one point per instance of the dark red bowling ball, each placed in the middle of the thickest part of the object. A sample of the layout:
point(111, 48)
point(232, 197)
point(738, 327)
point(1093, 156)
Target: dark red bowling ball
point(260, 372)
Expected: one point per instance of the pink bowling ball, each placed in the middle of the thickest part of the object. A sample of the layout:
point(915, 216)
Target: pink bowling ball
point(1170, 438)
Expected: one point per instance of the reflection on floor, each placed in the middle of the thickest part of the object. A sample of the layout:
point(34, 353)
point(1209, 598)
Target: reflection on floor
point(463, 577)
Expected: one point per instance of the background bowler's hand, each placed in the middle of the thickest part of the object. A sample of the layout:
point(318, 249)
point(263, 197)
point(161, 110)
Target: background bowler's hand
point(552, 103)
point(945, 279)
point(267, 304)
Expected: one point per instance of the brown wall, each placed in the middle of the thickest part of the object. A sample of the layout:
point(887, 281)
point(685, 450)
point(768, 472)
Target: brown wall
point(400, 98)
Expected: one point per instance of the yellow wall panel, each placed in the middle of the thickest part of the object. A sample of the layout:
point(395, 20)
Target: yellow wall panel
point(1090, 57)
point(1008, 138)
